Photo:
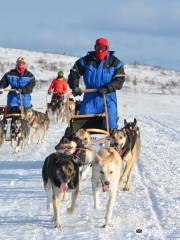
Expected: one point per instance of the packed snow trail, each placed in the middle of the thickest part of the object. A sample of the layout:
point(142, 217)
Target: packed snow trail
point(152, 204)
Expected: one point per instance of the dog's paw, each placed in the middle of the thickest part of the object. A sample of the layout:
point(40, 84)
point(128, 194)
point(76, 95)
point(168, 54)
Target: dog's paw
point(58, 225)
point(107, 225)
point(70, 210)
point(126, 189)
point(41, 141)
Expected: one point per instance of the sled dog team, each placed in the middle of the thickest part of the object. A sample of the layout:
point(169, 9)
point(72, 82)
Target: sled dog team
point(39, 121)
point(64, 170)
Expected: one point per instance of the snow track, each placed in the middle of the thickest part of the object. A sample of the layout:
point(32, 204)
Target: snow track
point(152, 205)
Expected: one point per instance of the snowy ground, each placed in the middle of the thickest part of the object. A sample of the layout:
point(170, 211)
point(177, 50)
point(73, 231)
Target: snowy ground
point(152, 205)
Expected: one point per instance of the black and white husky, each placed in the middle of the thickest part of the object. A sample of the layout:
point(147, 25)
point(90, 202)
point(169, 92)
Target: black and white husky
point(60, 175)
point(19, 133)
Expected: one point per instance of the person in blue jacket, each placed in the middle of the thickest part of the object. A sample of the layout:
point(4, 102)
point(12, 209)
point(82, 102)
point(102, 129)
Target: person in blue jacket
point(103, 71)
point(23, 81)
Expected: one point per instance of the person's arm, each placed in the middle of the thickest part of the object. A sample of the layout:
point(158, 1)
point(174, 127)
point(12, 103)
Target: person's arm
point(29, 87)
point(4, 83)
point(118, 78)
point(75, 73)
point(65, 86)
point(51, 87)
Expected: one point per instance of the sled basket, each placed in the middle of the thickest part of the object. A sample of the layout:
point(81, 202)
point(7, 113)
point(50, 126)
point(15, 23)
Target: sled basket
point(93, 123)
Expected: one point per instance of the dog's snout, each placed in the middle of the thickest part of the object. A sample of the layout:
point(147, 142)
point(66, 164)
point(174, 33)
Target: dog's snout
point(106, 182)
point(66, 179)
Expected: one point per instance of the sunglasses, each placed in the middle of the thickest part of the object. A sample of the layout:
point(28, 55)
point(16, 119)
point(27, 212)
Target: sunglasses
point(101, 47)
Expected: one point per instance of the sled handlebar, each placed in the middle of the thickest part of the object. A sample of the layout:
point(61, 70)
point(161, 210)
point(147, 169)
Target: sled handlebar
point(11, 90)
point(88, 90)
point(60, 92)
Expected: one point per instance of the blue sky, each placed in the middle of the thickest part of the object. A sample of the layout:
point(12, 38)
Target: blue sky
point(147, 31)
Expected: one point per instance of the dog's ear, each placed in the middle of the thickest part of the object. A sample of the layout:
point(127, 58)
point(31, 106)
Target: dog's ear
point(125, 122)
point(135, 121)
point(124, 131)
point(68, 132)
point(56, 147)
point(112, 131)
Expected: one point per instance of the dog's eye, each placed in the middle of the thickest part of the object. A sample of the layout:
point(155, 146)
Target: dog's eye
point(101, 172)
point(111, 172)
point(85, 139)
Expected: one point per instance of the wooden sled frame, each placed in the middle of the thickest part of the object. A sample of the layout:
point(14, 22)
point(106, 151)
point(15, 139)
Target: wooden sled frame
point(105, 114)
point(9, 115)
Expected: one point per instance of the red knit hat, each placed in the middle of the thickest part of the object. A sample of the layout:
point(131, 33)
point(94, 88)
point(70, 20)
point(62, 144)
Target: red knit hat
point(102, 41)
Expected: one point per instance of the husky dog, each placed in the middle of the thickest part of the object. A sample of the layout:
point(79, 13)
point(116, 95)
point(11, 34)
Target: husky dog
point(20, 131)
point(79, 145)
point(72, 105)
point(60, 174)
point(106, 174)
point(87, 141)
point(2, 125)
point(128, 143)
point(2, 131)
point(39, 121)
point(57, 109)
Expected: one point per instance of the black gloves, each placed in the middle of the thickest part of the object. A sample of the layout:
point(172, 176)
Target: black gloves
point(77, 92)
point(101, 91)
point(49, 92)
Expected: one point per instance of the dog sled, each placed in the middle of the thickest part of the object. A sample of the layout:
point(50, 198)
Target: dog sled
point(6, 116)
point(14, 127)
point(55, 107)
point(93, 123)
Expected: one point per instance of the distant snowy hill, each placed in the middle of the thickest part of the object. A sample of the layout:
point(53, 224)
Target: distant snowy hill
point(139, 78)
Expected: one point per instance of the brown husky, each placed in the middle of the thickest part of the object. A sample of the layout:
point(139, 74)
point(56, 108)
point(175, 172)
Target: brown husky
point(39, 121)
point(128, 143)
